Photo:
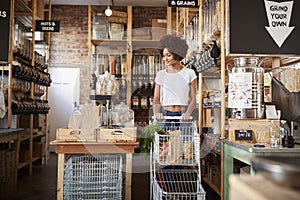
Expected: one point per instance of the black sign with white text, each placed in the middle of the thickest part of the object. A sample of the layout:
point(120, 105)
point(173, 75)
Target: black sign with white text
point(243, 135)
point(46, 26)
point(186, 3)
point(266, 27)
point(4, 26)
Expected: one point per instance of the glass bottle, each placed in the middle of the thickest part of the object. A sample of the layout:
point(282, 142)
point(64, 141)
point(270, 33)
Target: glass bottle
point(274, 135)
point(150, 94)
point(287, 139)
point(123, 65)
point(135, 97)
point(93, 83)
point(123, 89)
point(99, 85)
point(143, 97)
point(284, 129)
point(118, 66)
point(151, 67)
point(157, 65)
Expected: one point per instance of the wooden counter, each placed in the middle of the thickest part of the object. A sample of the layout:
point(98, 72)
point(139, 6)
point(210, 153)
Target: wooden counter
point(245, 187)
point(244, 153)
point(63, 148)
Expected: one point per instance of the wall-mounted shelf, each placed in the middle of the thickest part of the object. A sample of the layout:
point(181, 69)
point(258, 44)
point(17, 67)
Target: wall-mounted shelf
point(108, 42)
point(100, 97)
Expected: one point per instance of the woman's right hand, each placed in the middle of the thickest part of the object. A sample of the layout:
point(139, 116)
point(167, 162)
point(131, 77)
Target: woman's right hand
point(158, 116)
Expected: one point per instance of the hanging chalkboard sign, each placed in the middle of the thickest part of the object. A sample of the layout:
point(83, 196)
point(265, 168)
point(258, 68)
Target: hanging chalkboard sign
point(47, 26)
point(4, 26)
point(185, 3)
point(267, 27)
point(243, 135)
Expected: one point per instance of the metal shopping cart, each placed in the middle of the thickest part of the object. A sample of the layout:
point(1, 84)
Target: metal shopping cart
point(93, 177)
point(175, 162)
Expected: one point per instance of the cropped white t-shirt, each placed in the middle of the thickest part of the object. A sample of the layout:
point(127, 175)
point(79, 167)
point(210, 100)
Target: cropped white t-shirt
point(175, 86)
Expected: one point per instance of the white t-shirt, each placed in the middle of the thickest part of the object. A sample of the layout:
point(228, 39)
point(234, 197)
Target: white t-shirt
point(175, 87)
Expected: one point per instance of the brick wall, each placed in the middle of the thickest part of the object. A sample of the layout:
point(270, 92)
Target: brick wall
point(142, 16)
point(69, 47)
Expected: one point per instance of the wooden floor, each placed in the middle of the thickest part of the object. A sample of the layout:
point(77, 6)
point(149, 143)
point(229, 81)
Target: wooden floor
point(42, 184)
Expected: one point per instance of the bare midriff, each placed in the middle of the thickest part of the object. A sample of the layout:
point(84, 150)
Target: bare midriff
point(175, 108)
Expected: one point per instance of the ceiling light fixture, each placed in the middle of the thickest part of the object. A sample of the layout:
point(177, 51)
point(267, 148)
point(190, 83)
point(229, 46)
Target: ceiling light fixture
point(108, 11)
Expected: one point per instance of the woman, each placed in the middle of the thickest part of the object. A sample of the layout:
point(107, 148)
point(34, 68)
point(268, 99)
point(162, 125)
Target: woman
point(175, 86)
point(174, 93)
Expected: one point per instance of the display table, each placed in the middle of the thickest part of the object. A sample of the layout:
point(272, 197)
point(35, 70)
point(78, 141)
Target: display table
point(244, 153)
point(63, 148)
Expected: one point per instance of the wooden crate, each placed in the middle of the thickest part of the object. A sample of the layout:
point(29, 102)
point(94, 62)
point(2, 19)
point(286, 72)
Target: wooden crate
point(159, 28)
point(117, 135)
point(68, 134)
point(256, 125)
point(118, 13)
point(115, 19)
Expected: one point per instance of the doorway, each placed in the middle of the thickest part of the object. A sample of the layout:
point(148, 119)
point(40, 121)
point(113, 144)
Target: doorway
point(63, 94)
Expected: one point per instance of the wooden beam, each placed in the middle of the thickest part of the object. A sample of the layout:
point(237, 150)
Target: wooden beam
point(223, 83)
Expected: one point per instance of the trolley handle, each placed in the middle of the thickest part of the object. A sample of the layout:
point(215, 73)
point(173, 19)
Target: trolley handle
point(172, 117)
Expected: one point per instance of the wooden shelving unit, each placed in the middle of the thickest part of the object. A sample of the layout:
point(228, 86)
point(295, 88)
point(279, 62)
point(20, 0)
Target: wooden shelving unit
point(183, 16)
point(129, 44)
point(26, 13)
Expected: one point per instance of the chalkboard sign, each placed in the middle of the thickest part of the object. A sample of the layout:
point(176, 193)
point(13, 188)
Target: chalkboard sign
point(47, 26)
point(4, 26)
point(264, 27)
point(185, 3)
point(243, 135)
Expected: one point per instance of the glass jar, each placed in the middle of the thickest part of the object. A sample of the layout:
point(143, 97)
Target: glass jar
point(274, 135)
point(245, 89)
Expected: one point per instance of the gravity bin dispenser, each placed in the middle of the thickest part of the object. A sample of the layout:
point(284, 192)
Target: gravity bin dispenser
point(289, 104)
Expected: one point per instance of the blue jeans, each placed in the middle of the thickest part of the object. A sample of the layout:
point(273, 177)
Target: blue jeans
point(166, 124)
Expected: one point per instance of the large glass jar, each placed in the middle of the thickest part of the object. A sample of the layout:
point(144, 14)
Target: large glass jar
point(245, 89)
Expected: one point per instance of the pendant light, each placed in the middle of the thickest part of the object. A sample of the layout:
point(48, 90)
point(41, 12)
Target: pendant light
point(108, 11)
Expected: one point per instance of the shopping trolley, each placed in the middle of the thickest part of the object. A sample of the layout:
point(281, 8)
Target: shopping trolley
point(93, 177)
point(175, 162)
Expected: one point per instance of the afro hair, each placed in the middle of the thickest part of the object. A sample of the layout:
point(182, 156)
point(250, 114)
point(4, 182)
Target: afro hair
point(175, 45)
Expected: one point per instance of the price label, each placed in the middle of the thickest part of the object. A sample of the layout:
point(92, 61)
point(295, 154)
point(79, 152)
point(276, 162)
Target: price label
point(246, 135)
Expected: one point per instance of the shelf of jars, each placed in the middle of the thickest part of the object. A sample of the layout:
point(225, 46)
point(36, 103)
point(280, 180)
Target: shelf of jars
point(141, 103)
point(26, 81)
point(108, 29)
point(145, 65)
point(109, 77)
point(27, 97)
point(204, 47)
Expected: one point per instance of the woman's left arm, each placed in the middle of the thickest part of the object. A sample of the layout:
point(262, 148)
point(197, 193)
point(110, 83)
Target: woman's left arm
point(192, 102)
